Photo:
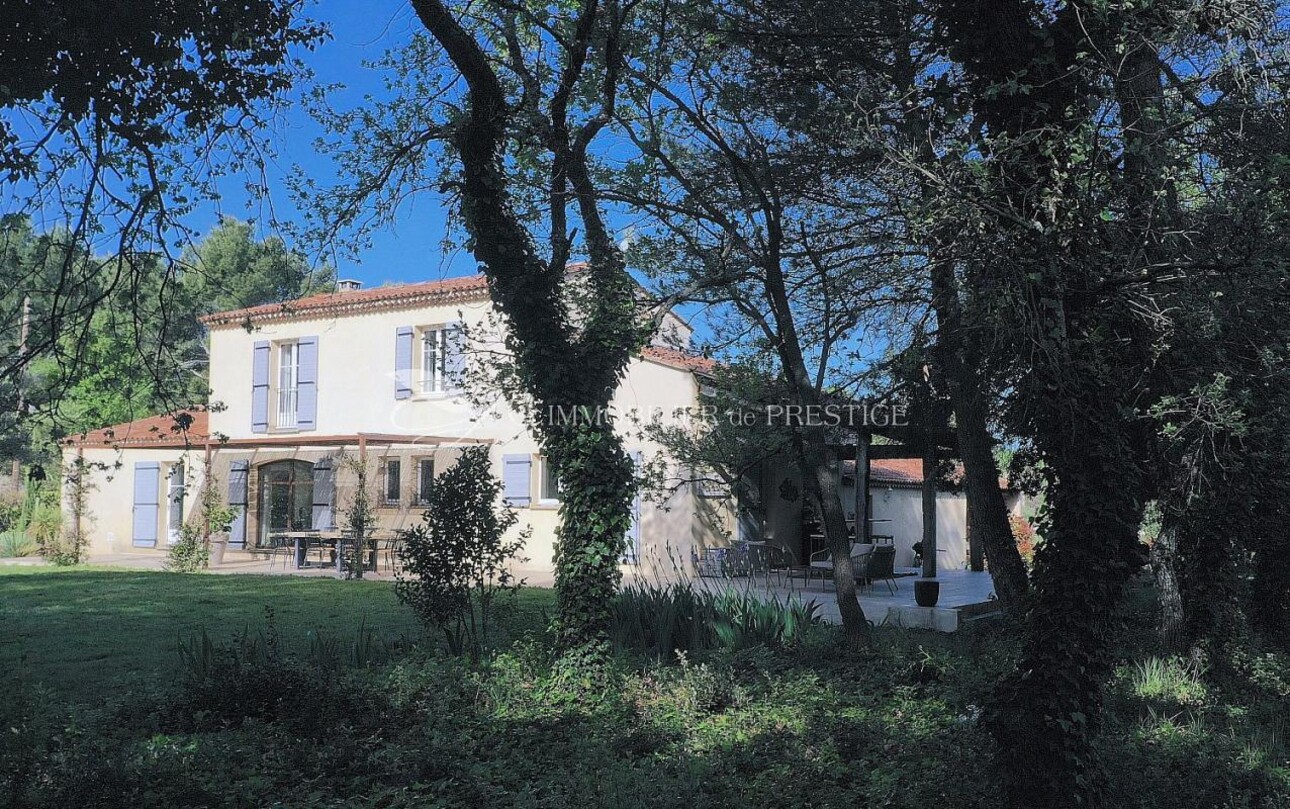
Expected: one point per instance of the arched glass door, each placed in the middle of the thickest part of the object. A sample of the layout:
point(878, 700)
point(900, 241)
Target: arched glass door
point(286, 498)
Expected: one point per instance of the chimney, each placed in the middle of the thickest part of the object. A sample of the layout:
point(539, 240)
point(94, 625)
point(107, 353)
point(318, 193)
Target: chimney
point(348, 285)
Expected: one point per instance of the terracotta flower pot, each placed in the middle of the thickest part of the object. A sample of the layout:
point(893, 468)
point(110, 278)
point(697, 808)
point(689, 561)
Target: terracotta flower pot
point(927, 592)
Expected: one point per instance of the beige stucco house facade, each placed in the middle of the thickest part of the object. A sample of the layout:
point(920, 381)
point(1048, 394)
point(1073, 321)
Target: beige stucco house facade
point(302, 392)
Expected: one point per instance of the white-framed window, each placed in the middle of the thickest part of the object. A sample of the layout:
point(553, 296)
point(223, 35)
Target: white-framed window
point(425, 479)
point(287, 394)
point(392, 485)
point(176, 489)
point(435, 346)
point(548, 483)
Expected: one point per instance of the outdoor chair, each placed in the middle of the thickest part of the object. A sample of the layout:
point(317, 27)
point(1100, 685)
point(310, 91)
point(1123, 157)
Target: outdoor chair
point(780, 562)
point(880, 565)
point(822, 561)
point(389, 548)
point(280, 547)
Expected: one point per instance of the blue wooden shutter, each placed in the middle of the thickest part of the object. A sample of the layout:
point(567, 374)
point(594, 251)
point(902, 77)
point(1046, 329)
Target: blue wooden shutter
point(260, 388)
point(324, 495)
point(517, 477)
point(238, 473)
point(307, 385)
point(403, 362)
point(147, 502)
point(455, 359)
point(632, 547)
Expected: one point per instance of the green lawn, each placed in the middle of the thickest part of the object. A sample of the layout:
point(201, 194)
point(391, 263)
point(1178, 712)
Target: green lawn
point(88, 632)
point(812, 724)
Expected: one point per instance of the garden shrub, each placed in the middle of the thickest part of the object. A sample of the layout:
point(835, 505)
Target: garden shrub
point(1024, 534)
point(456, 563)
point(1168, 680)
point(15, 543)
point(189, 553)
point(11, 504)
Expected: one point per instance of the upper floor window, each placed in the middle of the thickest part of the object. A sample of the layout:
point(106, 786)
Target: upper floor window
point(441, 358)
point(284, 385)
point(287, 393)
point(434, 360)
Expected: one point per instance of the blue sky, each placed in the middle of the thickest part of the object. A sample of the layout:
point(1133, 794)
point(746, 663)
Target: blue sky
point(360, 32)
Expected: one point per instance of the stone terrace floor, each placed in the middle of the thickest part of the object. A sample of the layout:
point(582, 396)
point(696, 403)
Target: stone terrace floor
point(959, 588)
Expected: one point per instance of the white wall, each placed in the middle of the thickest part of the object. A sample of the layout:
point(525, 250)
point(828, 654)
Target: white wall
point(904, 507)
point(108, 520)
point(356, 394)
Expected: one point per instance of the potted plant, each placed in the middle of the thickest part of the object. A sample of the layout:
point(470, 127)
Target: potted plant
point(216, 519)
point(927, 592)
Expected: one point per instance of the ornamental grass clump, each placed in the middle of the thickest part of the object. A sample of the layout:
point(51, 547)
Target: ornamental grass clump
point(663, 619)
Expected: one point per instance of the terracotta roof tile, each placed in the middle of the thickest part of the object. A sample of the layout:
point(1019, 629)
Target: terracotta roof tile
point(896, 470)
point(679, 359)
point(332, 303)
point(179, 429)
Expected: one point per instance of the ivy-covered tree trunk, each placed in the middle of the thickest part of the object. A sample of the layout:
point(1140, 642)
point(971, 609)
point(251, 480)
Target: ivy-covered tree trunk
point(1047, 710)
point(1270, 585)
point(564, 367)
point(1076, 356)
point(596, 478)
point(1212, 574)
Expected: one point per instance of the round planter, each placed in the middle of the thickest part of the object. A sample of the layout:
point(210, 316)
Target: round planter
point(926, 592)
point(218, 545)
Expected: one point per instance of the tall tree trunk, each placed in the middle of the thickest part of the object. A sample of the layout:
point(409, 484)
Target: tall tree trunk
point(819, 467)
point(987, 510)
point(1270, 586)
point(820, 478)
point(986, 506)
point(1047, 710)
point(564, 369)
point(1164, 559)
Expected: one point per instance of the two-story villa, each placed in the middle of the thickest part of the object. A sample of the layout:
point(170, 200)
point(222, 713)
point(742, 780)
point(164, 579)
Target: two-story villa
point(304, 391)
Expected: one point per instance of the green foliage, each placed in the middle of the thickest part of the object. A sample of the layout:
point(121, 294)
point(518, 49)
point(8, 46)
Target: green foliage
point(190, 553)
point(359, 518)
point(569, 336)
point(33, 523)
point(253, 679)
point(15, 520)
point(230, 269)
point(15, 543)
point(662, 620)
point(1168, 680)
point(252, 721)
point(456, 563)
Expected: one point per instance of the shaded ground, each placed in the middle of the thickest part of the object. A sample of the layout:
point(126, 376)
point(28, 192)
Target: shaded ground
point(812, 725)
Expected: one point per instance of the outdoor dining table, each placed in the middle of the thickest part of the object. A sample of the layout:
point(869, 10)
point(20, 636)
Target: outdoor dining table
point(300, 542)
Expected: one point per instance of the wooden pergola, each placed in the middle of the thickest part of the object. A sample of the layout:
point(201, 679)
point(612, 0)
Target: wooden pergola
point(930, 444)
